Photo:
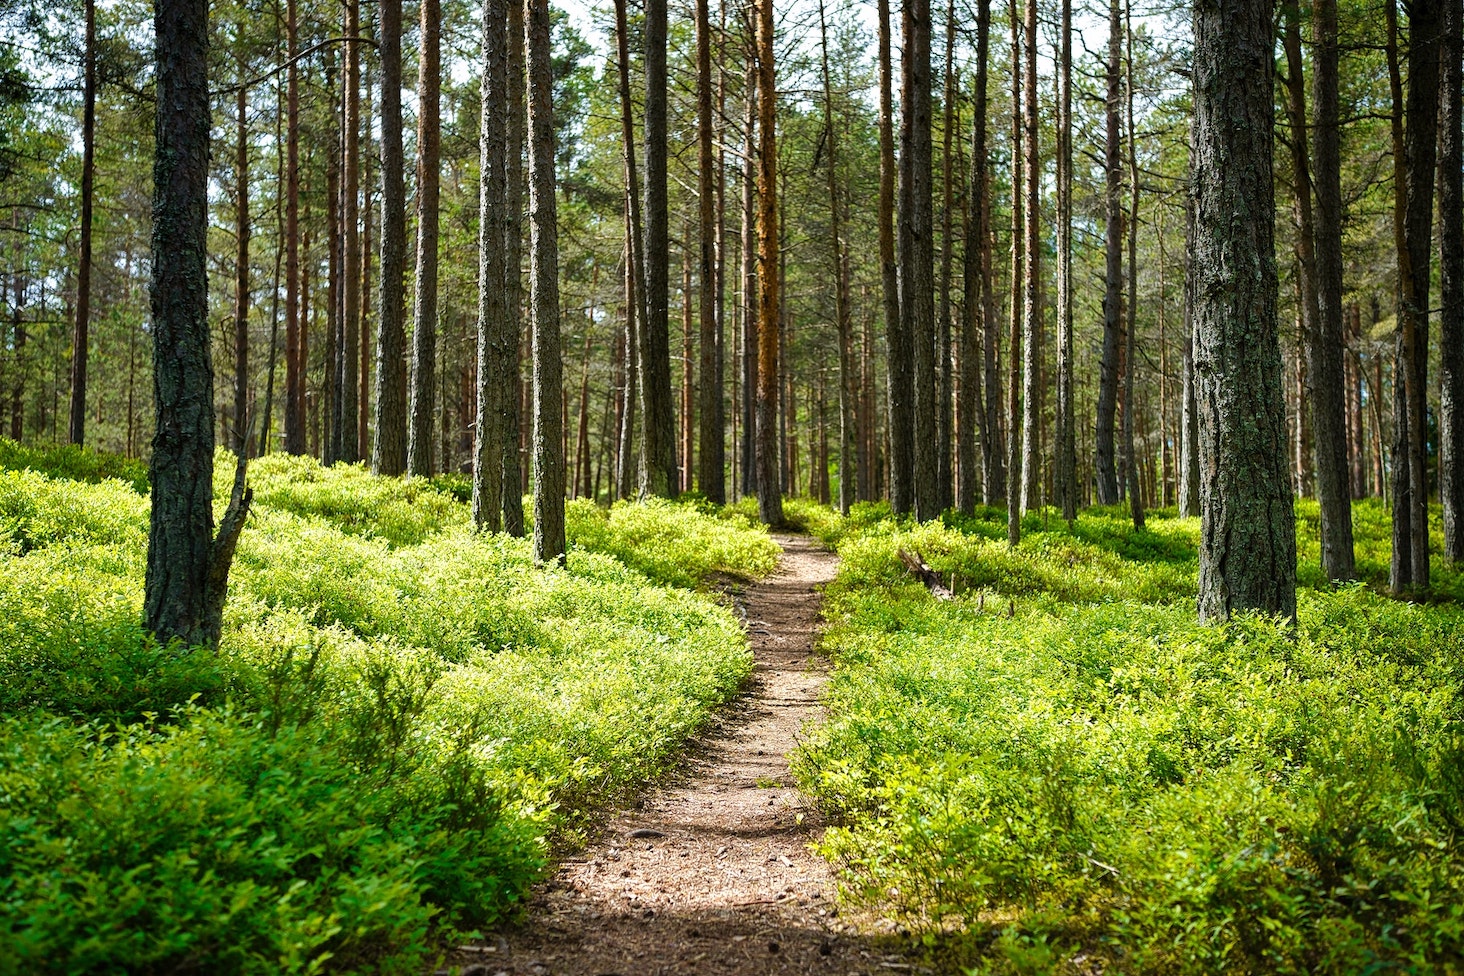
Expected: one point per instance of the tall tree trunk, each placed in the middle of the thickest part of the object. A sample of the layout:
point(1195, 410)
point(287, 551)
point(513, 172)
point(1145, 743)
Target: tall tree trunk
point(517, 402)
point(944, 421)
point(549, 544)
point(710, 474)
point(389, 449)
point(917, 252)
point(424, 325)
point(294, 379)
point(973, 413)
point(1130, 403)
point(1248, 531)
point(1104, 460)
point(769, 495)
point(688, 376)
point(1327, 336)
point(1189, 430)
point(1032, 385)
point(494, 338)
point(81, 337)
point(625, 473)
point(635, 258)
point(1018, 280)
point(349, 447)
point(187, 566)
point(1065, 476)
point(993, 444)
point(899, 352)
point(1451, 286)
point(848, 428)
point(748, 313)
point(240, 441)
point(658, 415)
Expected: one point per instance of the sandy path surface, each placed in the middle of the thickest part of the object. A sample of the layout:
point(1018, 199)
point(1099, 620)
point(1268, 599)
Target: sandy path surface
point(712, 872)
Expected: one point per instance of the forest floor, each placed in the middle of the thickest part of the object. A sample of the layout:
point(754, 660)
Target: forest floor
point(712, 872)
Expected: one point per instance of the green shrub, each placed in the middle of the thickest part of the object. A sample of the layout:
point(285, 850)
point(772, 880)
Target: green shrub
point(72, 463)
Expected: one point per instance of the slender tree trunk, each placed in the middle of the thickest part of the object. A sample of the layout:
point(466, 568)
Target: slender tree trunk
point(900, 353)
point(625, 474)
point(713, 458)
point(1032, 384)
point(658, 415)
point(240, 442)
point(1326, 338)
point(389, 449)
point(1104, 460)
point(294, 380)
point(1065, 476)
point(424, 325)
point(81, 337)
point(1018, 280)
point(972, 413)
point(187, 566)
point(917, 253)
point(1451, 285)
point(349, 448)
point(1130, 404)
point(494, 356)
point(1189, 431)
point(688, 376)
point(1248, 532)
point(749, 270)
point(517, 402)
point(944, 420)
point(549, 546)
point(769, 496)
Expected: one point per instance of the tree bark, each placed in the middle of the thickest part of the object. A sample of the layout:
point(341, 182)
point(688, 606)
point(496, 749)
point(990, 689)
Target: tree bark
point(769, 494)
point(389, 449)
point(917, 252)
point(1065, 477)
point(1018, 281)
point(187, 566)
point(1130, 404)
point(1032, 385)
point(549, 546)
point(294, 378)
point(658, 415)
point(974, 408)
point(1326, 338)
point(516, 402)
point(1104, 461)
point(349, 446)
point(1248, 533)
point(944, 420)
point(240, 440)
point(712, 461)
point(749, 269)
point(424, 326)
point(899, 353)
point(1451, 285)
point(81, 337)
point(848, 429)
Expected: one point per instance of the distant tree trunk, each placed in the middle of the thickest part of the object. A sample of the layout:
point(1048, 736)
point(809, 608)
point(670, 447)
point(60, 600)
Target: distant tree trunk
point(549, 544)
point(900, 351)
point(1032, 385)
point(972, 414)
point(1451, 285)
point(625, 474)
point(917, 252)
point(516, 402)
point(769, 495)
point(424, 326)
point(658, 415)
point(494, 355)
point(848, 430)
point(1104, 460)
point(749, 272)
point(1189, 431)
point(1065, 477)
point(389, 449)
point(294, 380)
point(1414, 153)
point(1018, 280)
point(993, 447)
point(1248, 532)
point(1326, 333)
point(1130, 404)
point(187, 567)
point(944, 421)
point(349, 449)
point(710, 474)
point(635, 257)
point(240, 440)
point(687, 448)
point(81, 337)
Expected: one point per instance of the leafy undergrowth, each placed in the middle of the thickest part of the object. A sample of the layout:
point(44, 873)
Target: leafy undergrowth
point(404, 720)
point(1061, 771)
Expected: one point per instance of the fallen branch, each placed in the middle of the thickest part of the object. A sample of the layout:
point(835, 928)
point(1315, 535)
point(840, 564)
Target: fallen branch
point(925, 574)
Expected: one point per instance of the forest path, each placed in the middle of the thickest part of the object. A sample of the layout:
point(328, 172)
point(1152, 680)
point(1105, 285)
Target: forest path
point(712, 872)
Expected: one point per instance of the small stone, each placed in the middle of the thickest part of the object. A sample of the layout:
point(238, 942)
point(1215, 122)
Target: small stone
point(773, 947)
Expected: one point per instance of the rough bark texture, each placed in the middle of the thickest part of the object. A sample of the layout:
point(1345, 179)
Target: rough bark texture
point(899, 351)
point(1326, 340)
point(187, 568)
point(944, 421)
point(1189, 437)
point(1032, 386)
point(494, 354)
point(658, 414)
point(848, 430)
point(917, 251)
point(711, 474)
point(544, 295)
point(294, 376)
point(424, 326)
point(769, 493)
point(1131, 307)
point(389, 450)
point(1248, 532)
point(516, 392)
point(1018, 281)
point(81, 336)
point(238, 442)
point(349, 443)
point(1451, 285)
point(749, 273)
point(971, 416)
point(1104, 461)
point(1065, 474)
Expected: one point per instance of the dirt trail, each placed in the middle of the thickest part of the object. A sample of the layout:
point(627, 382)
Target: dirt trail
point(711, 873)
